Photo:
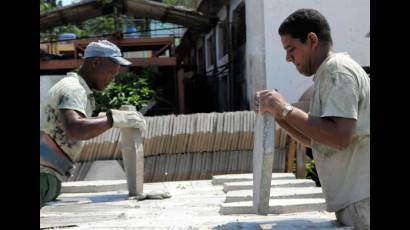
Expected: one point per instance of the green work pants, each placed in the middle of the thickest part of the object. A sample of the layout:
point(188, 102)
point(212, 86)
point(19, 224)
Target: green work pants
point(50, 187)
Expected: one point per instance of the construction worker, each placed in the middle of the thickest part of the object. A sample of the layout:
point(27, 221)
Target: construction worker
point(337, 127)
point(67, 118)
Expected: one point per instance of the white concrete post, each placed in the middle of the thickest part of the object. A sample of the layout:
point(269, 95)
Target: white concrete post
point(255, 48)
point(263, 150)
point(265, 123)
point(132, 156)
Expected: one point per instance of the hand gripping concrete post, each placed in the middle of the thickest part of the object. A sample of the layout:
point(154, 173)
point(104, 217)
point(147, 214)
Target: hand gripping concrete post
point(264, 147)
point(132, 156)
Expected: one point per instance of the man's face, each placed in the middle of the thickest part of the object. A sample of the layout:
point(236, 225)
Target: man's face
point(105, 71)
point(300, 54)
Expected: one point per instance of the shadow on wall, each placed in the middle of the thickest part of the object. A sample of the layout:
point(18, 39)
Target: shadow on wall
point(290, 224)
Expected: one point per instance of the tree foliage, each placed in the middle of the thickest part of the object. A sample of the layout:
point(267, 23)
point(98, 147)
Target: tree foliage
point(101, 25)
point(127, 89)
point(189, 4)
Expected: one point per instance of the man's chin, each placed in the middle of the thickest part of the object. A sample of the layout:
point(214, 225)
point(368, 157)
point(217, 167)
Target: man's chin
point(305, 74)
point(97, 90)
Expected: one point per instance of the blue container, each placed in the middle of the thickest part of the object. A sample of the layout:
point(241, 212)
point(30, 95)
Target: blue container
point(131, 32)
point(131, 29)
point(66, 36)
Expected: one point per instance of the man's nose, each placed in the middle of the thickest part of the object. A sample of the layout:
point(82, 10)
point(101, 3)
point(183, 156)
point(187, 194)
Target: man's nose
point(289, 58)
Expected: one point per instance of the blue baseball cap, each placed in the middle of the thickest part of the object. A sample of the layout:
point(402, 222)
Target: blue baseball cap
point(104, 48)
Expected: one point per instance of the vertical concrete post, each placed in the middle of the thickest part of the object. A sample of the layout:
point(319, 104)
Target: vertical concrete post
point(132, 156)
point(264, 147)
point(265, 123)
point(255, 47)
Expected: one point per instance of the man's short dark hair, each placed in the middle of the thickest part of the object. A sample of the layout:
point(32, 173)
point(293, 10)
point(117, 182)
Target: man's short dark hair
point(304, 21)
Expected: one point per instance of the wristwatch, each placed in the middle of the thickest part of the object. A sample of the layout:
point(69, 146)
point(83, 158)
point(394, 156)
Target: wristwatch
point(288, 107)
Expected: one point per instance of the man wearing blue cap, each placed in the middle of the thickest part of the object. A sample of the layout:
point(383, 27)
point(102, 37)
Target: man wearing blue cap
point(67, 118)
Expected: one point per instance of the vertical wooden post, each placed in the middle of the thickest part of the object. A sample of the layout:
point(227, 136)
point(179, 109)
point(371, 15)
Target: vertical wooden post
point(263, 151)
point(291, 155)
point(181, 91)
point(132, 156)
point(300, 161)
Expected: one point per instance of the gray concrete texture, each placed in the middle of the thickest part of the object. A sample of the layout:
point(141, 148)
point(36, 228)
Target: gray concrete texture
point(93, 186)
point(263, 158)
point(277, 193)
point(105, 170)
point(133, 156)
point(193, 205)
point(276, 206)
point(274, 184)
point(221, 179)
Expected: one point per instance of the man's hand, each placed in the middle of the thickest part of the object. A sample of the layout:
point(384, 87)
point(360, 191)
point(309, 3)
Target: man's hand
point(128, 119)
point(270, 101)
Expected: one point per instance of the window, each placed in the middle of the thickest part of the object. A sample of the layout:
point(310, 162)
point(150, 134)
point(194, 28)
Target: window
point(201, 60)
point(210, 51)
point(222, 39)
point(239, 26)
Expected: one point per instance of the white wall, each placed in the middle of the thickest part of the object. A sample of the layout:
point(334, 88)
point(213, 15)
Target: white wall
point(349, 21)
point(46, 82)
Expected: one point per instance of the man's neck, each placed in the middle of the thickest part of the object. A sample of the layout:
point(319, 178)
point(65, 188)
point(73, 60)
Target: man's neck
point(323, 53)
point(86, 76)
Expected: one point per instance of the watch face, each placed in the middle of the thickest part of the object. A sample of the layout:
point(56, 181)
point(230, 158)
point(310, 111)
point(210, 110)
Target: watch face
point(288, 107)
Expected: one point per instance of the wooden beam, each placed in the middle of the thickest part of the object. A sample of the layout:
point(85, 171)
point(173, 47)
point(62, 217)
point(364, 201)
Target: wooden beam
point(159, 52)
point(155, 61)
point(73, 14)
point(165, 13)
point(159, 41)
point(60, 64)
point(300, 161)
point(291, 156)
point(87, 9)
point(75, 63)
point(181, 91)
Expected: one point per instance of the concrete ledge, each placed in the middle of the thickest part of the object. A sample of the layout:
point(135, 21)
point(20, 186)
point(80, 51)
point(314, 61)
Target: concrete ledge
point(248, 185)
point(93, 186)
point(277, 193)
point(280, 206)
point(221, 179)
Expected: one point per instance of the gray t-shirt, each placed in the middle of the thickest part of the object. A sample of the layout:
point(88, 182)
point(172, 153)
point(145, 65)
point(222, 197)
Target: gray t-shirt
point(71, 92)
point(342, 89)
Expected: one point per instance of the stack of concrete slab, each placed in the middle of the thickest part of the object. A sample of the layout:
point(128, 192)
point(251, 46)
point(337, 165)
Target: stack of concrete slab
point(287, 194)
point(186, 147)
point(170, 134)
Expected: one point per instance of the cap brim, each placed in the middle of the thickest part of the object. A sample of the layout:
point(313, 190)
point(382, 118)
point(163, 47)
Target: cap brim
point(121, 61)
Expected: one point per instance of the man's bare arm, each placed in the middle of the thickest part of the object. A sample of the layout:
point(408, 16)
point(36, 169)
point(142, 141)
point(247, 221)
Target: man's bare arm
point(295, 134)
point(79, 128)
point(336, 132)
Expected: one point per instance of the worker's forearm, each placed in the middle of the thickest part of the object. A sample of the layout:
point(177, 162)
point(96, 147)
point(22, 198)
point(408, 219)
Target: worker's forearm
point(318, 129)
point(295, 134)
point(84, 129)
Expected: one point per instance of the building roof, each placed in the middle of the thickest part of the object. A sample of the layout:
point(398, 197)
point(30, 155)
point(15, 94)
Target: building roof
point(87, 9)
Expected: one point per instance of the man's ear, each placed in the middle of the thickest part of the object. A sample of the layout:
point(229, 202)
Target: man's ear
point(95, 62)
point(314, 40)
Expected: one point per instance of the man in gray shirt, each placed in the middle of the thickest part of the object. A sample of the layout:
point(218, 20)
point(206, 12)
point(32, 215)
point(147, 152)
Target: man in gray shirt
point(337, 127)
point(67, 120)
